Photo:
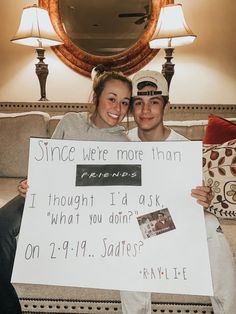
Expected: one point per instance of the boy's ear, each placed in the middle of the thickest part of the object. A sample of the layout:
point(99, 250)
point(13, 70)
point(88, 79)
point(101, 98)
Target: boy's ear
point(167, 107)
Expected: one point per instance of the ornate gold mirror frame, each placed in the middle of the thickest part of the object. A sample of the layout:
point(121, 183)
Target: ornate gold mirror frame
point(128, 61)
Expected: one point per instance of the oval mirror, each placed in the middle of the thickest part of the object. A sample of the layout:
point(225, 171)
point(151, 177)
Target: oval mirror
point(110, 32)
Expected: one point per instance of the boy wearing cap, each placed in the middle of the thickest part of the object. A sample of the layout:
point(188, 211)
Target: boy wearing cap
point(150, 102)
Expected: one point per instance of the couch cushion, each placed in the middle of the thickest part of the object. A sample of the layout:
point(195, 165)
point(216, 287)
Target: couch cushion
point(8, 189)
point(52, 124)
point(15, 131)
point(191, 129)
point(219, 170)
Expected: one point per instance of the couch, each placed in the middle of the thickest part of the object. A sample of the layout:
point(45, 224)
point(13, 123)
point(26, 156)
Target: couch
point(20, 121)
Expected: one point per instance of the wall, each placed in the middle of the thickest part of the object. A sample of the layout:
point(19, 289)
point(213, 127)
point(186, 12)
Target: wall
point(205, 70)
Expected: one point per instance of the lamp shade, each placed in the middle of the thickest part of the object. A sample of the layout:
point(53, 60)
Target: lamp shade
point(171, 30)
point(35, 29)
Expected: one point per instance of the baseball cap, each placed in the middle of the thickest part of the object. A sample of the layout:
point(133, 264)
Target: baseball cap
point(150, 76)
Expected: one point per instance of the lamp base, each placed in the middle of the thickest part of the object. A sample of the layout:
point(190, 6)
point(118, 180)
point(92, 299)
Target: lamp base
point(42, 73)
point(168, 67)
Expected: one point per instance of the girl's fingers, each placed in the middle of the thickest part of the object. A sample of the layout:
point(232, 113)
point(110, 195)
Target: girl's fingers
point(203, 195)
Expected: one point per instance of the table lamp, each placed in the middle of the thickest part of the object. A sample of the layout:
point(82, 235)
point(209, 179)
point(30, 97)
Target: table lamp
point(36, 30)
point(171, 31)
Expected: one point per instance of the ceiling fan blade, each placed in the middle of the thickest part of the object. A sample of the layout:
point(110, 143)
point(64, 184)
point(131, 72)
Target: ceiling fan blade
point(131, 14)
point(140, 21)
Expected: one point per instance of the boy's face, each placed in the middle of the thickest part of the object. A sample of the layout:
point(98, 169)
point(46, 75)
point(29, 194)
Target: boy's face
point(148, 111)
point(160, 217)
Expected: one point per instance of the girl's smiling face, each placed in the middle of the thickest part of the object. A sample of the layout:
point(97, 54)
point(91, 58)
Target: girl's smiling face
point(113, 104)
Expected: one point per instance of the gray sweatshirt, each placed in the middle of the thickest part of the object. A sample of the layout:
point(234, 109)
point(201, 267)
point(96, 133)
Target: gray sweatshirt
point(78, 126)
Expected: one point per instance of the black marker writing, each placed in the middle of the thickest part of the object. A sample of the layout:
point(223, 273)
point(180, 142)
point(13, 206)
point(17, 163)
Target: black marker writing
point(63, 219)
point(68, 249)
point(95, 218)
point(149, 200)
point(33, 201)
point(32, 251)
point(95, 154)
point(164, 273)
point(166, 155)
point(121, 218)
point(121, 248)
point(116, 197)
point(129, 154)
point(54, 153)
point(75, 201)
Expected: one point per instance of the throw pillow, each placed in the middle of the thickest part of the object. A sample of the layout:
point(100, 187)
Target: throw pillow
point(219, 172)
point(219, 130)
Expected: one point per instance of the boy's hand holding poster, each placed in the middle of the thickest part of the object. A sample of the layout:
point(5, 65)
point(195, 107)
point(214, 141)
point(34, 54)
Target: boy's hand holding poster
point(114, 215)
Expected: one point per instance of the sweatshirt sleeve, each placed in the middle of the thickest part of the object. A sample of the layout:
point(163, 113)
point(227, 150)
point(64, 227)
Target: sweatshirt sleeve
point(59, 130)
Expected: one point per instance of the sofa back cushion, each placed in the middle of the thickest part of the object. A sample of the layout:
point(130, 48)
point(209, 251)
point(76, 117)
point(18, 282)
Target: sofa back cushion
point(15, 132)
point(191, 129)
point(53, 124)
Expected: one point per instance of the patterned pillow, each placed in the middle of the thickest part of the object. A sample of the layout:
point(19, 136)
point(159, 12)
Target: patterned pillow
point(219, 171)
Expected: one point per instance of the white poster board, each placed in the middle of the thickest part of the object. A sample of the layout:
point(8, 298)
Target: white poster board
point(91, 217)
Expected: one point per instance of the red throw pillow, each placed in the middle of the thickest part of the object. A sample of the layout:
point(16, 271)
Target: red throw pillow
point(219, 130)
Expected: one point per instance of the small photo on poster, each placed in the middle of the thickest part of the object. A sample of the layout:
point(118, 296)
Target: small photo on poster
point(155, 223)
